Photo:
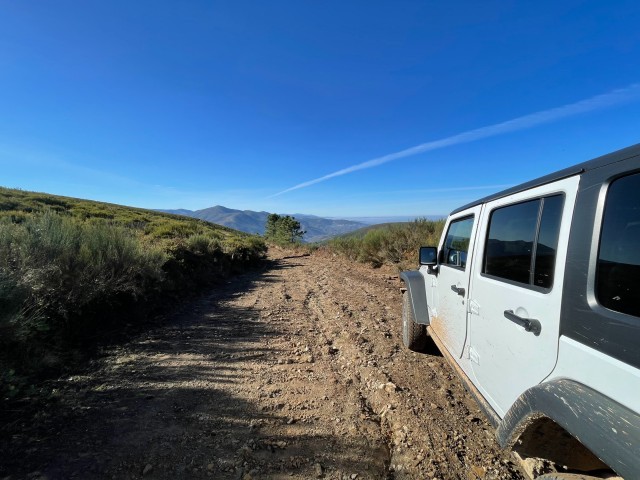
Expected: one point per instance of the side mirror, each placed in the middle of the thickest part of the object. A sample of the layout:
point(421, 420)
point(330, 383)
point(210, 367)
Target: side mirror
point(428, 256)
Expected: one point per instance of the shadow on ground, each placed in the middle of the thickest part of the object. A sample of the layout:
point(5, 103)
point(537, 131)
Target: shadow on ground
point(170, 404)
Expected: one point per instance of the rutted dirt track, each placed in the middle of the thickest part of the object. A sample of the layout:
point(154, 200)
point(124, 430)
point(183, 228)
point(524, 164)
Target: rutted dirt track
point(297, 371)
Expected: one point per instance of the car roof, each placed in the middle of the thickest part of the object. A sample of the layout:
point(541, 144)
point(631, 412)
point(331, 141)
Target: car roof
point(578, 169)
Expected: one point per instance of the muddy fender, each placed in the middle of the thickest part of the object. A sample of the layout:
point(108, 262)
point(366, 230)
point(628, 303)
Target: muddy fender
point(414, 281)
point(610, 430)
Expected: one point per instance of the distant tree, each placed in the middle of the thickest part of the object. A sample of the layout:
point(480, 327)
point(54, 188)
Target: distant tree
point(283, 229)
point(271, 228)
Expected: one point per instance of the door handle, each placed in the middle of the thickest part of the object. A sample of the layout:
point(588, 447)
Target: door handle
point(530, 324)
point(458, 290)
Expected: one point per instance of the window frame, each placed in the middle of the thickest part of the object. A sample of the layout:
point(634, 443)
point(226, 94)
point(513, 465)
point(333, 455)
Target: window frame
point(442, 253)
point(534, 247)
point(594, 257)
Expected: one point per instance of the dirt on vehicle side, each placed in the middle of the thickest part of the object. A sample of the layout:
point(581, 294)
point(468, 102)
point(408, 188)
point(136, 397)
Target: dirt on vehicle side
point(296, 371)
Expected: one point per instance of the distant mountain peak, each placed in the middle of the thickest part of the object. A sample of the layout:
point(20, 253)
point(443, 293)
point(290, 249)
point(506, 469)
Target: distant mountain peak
point(249, 221)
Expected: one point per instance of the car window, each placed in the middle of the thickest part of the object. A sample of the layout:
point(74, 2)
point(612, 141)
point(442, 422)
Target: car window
point(547, 244)
point(522, 241)
point(456, 244)
point(618, 268)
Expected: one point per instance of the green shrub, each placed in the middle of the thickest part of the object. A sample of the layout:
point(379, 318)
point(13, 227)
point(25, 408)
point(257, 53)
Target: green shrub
point(63, 265)
point(346, 246)
point(174, 228)
point(395, 244)
point(70, 268)
point(19, 315)
point(247, 249)
point(204, 244)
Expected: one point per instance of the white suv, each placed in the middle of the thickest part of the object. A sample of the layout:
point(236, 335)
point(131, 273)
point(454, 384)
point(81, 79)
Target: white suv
point(534, 296)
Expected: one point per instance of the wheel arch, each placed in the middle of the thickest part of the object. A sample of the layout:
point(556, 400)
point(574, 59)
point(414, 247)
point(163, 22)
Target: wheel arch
point(414, 281)
point(563, 410)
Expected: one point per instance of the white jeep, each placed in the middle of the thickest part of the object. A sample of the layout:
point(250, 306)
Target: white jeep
point(533, 295)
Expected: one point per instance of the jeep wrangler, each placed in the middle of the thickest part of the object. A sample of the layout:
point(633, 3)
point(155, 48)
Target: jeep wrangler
point(533, 296)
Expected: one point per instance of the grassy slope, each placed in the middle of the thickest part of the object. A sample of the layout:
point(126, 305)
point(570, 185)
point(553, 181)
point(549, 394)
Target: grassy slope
point(394, 243)
point(19, 203)
point(72, 269)
point(361, 232)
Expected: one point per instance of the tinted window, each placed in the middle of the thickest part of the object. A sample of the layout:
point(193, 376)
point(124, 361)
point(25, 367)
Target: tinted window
point(522, 241)
point(545, 258)
point(456, 245)
point(618, 270)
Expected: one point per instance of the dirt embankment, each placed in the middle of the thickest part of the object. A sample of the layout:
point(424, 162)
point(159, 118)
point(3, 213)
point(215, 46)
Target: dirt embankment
point(294, 372)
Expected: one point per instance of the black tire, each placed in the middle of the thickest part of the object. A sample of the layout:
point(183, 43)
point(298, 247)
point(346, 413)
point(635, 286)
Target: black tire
point(414, 335)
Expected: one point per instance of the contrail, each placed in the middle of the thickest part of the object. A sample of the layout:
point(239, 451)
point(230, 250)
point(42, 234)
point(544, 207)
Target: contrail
point(604, 100)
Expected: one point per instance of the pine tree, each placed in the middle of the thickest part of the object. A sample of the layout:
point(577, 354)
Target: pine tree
point(283, 229)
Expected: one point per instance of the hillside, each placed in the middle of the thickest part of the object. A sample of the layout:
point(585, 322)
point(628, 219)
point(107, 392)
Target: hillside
point(394, 243)
point(71, 269)
point(361, 232)
point(249, 221)
point(20, 203)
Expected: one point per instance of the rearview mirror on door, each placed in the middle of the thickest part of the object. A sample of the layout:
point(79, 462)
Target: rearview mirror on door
point(428, 256)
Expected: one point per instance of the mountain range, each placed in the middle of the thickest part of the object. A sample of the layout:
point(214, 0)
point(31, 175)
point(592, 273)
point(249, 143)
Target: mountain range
point(248, 221)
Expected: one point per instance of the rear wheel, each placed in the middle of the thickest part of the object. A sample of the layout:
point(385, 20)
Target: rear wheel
point(414, 336)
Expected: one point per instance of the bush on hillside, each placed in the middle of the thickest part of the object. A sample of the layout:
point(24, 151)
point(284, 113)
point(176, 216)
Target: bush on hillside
point(71, 272)
point(56, 271)
point(395, 244)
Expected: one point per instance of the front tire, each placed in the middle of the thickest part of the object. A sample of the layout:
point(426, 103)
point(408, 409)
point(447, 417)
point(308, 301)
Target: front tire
point(414, 335)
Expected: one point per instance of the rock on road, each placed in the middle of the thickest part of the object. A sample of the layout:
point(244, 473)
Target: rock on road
point(297, 371)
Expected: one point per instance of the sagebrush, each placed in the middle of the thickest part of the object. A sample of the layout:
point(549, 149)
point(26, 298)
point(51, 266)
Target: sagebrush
point(395, 244)
point(72, 269)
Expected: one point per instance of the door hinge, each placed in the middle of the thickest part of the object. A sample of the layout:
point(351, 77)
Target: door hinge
point(473, 355)
point(474, 307)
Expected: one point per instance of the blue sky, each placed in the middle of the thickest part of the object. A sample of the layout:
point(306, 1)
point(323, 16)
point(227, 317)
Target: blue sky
point(256, 105)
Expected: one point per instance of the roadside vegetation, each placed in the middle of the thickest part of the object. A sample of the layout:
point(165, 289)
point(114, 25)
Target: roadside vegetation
point(393, 243)
point(73, 270)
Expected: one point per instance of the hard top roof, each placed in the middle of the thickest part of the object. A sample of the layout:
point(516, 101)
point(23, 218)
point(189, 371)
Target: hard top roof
point(578, 169)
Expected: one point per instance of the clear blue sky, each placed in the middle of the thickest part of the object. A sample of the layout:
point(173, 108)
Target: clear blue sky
point(196, 103)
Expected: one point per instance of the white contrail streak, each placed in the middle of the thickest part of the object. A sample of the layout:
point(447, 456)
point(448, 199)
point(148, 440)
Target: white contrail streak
point(615, 97)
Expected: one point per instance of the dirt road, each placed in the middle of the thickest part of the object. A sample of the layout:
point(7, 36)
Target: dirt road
point(297, 371)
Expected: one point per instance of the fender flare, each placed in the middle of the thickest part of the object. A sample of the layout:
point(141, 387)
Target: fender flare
point(608, 429)
point(414, 280)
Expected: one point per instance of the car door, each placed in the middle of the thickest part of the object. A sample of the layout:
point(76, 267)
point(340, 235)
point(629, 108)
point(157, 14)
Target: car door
point(516, 290)
point(448, 314)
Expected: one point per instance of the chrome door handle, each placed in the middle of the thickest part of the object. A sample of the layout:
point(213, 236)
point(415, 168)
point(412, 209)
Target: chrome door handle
point(530, 324)
point(458, 290)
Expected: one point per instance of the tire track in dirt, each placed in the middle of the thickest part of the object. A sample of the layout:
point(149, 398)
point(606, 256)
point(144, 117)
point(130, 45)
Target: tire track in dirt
point(390, 379)
point(374, 379)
